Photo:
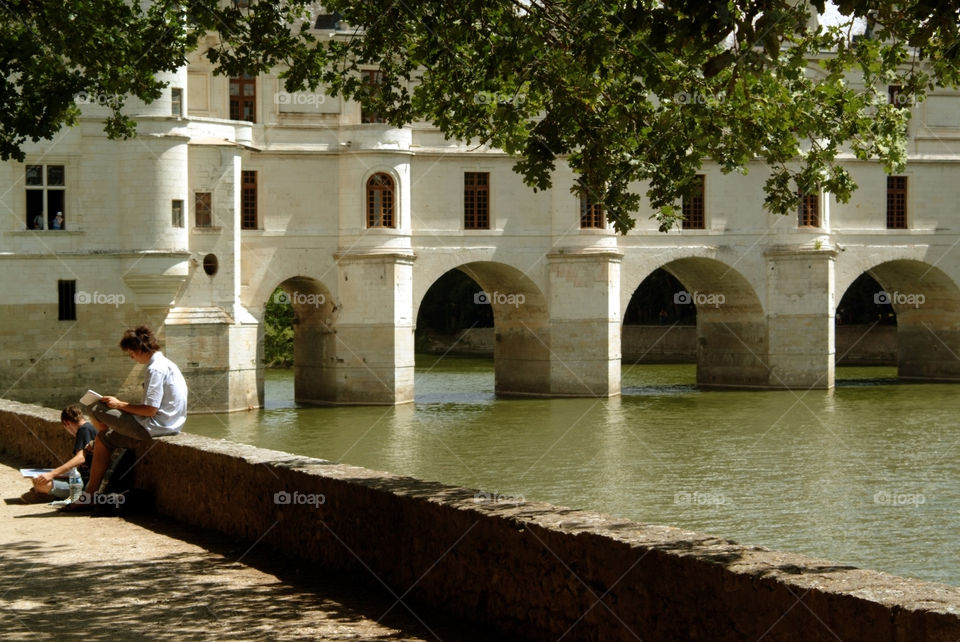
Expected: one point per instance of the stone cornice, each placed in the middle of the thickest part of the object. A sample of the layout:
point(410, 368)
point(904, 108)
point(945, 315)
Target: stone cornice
point(374, 254)
point(584, 253)
point(801, 252)
point(99, 254)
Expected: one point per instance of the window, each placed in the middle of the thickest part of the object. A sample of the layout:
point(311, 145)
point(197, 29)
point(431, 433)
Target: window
point(380, 209)
point(203, 206)
point(808, 212)
point(66, 300)
point(897, 202)
point(591, 214)
point(476, 200)
point(243, 98)
point(176, 102)
point(46, 190)
point(176, 213)
point(893, 95)
point(248, 200)
point(210, 264)
point(372, 78)
point(692, 208)
point(328, 21)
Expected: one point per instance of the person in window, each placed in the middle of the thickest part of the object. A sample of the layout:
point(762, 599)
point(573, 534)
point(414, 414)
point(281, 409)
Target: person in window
point(37, 222)
point(121, 424)
point(57, 223)
point(47, 486)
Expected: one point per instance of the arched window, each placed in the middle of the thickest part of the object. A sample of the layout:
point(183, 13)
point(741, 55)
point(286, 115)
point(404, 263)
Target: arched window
point(380, 201)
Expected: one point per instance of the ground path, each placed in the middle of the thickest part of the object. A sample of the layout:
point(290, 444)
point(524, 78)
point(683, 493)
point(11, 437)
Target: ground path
point(75, 576)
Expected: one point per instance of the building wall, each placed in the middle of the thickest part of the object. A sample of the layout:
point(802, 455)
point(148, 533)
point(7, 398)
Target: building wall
point(313, 157)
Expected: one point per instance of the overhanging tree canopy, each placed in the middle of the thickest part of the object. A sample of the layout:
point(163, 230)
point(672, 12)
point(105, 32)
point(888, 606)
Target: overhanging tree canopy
point(623, 91)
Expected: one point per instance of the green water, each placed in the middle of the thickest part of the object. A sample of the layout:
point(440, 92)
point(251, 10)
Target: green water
point(865, 475)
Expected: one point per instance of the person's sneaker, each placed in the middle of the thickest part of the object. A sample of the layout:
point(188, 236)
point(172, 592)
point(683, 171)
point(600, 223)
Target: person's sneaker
point(33, 497)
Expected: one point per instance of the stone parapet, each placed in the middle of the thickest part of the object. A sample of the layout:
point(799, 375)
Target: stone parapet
point(535, 571)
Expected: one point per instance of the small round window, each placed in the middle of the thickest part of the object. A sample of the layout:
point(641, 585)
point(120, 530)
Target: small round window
point(210, 264)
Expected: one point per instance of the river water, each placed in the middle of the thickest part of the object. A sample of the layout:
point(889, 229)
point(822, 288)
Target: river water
point(865, 475)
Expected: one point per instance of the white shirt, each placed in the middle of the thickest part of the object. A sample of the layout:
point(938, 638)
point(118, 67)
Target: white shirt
point(166, 390)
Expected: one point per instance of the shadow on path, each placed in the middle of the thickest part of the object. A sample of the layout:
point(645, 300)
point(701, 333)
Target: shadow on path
point(70, 576)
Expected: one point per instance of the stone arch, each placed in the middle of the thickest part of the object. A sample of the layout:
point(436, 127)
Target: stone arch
point(927, 304)
point(314, 339)
point(732, 345)
point(521, 326)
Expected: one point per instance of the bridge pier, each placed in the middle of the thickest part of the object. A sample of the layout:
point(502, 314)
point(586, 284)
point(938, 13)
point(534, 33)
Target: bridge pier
point(206, 343)
point(373, 353)
point(584, 323)
point(800, 321)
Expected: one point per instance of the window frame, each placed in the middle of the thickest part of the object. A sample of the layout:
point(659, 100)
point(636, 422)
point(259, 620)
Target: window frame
point(249, 197)
point(693, 208)
point(66, 300)
point(809, 201)
point(44, 188)
point(894, 215)
point(592, 215)
point(371, 77)
point(176, 102)
point(208, 206)
point(476, 197)
point(374, 195)
point(176, 213)
point(242, 99)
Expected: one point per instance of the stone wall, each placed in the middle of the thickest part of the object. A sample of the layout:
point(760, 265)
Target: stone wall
point(863, 345)
point(857, 345)
point(535, 571)
point(659, 344)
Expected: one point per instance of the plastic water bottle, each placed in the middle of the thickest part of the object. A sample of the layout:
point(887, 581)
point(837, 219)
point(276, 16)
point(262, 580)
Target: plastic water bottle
point(76, 484)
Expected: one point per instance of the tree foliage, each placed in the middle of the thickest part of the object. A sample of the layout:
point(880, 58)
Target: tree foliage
point(627, 92)
point(278, 318)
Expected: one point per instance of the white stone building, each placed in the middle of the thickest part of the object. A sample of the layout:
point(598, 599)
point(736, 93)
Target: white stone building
point(234, 187)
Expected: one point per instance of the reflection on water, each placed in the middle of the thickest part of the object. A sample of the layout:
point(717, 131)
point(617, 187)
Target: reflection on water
point(863, 475)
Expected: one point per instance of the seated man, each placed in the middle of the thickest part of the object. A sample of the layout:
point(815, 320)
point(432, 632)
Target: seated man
point(45, 486)
point(120, 424)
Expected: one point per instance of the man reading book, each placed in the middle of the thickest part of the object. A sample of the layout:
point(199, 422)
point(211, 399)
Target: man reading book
point(162, 411)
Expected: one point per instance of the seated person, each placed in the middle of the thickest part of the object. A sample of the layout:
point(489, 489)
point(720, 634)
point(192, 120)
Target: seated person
point(46, 487)
point(120, 424)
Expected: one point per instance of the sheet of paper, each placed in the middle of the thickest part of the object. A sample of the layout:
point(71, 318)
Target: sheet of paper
point(34, 472)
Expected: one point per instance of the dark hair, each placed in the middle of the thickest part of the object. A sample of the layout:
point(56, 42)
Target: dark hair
point(139, 339)
point(72, 413)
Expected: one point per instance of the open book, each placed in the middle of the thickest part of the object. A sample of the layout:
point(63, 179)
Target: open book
point(90, 397)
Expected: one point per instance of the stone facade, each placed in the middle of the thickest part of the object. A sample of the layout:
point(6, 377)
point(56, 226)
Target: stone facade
point(136, 249)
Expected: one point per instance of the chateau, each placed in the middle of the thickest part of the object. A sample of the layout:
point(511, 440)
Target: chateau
point(234, 187)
